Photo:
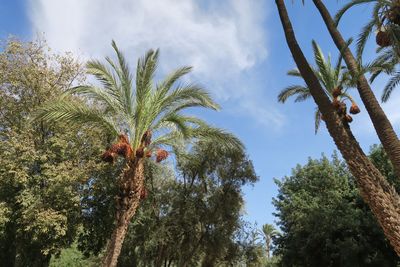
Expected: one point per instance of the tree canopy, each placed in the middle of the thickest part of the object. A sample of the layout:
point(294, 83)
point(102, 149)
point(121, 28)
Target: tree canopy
point(324, 221)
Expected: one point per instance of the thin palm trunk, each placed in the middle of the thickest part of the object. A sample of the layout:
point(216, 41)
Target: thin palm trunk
point(374, 188)
point(381, 123)
point(131, 185)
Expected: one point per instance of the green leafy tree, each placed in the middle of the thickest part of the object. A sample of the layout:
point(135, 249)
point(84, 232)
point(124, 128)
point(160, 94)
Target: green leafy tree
point(373, 186)
point(324, 221)
point(41, 168)
point(194, 218)
point(133, 115)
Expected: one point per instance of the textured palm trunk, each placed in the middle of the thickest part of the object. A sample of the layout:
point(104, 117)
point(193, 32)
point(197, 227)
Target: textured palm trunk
point(381, 123)
point(374, 188)
point(128, 201)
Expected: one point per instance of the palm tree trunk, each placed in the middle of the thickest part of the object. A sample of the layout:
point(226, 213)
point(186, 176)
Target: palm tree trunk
point(381, 123)
point(131, 185)
point(374, 188)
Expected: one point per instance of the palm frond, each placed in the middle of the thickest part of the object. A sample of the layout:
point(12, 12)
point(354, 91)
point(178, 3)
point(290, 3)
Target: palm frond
point(219, 136)
point(165, 86)
point(338, 65)
point(144, 74)
point(292, 90)
point(303, 96)
point(323, 66)
point(189, 94)
point(294, 72)
point(363, 37)
point(346, 7)
point(103, 74)
point(393, 82)
point(178, 120)
point(125, 79)
point(111, 100)
point(75, 112)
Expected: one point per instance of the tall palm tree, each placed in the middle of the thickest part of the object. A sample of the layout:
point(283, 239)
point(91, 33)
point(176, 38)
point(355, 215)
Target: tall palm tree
point(334, 79)
point(144, 119)
point(382, 125)
point(269, 232)
point(374, 188)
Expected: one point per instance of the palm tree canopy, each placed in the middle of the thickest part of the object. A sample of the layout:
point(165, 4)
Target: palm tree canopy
point(269, 230)
point(385, 19)
point(121, 105)
point(330, 76)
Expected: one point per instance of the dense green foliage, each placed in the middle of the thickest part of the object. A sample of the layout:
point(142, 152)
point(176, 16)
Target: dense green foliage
point(42, 168)
point(187, 219)
point(57, 197)
point(324, 221)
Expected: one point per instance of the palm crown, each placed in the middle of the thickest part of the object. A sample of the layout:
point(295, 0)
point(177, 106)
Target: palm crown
point(385, 20)
point(137, 112)
point(331, 78)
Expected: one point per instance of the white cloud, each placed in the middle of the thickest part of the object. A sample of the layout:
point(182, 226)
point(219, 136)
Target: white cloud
point(221, 39)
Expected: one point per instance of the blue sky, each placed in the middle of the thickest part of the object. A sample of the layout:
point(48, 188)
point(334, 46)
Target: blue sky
point(238, 52)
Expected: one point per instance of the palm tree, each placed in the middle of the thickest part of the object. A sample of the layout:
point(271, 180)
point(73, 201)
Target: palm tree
point(374, 188)
point(385, 20)
point(269, 232)
point(145, 118)
point(382, 125)
point(334, 79)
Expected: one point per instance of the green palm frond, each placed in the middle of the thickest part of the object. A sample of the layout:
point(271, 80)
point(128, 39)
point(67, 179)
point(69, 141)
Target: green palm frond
point(303, 96)
point(190, 94)
point(224, 139)
point(363, 37)
point(207, 134)
point(125, 78)
point(393, 82)
point(291, 91)
point(179, 121)
point(294, 73)
point(346, 7)
point(325, 71)
point(75, 112)
point(338, 65)
point(104, 75)
point(144, 75)
point(111, 100)
point(330, 76)
point(136, 110)
point(164, 87)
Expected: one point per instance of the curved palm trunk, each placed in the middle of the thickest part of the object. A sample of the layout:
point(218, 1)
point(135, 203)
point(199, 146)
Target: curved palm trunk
point(381, 123)
point(131, 186)
point(375, 190)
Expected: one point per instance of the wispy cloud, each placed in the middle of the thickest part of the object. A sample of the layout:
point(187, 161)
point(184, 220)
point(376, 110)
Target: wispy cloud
point(221, 39)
